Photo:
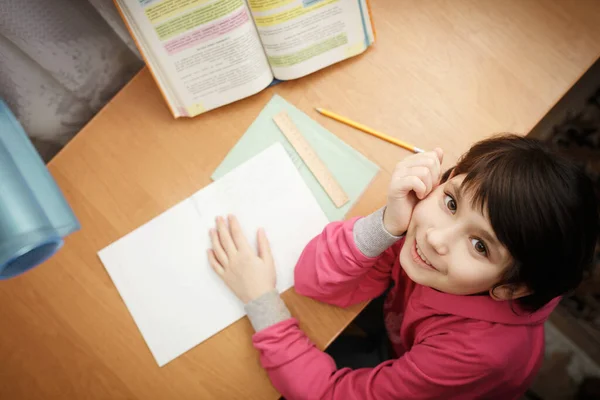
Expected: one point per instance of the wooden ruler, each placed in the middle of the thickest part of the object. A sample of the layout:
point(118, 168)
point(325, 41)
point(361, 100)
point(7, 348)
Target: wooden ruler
point(311, 159)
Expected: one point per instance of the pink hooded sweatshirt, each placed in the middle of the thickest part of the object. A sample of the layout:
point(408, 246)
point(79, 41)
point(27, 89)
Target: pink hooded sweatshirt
point(448, 346)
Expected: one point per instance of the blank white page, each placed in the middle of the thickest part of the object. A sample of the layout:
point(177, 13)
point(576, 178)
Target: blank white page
point(161, 269)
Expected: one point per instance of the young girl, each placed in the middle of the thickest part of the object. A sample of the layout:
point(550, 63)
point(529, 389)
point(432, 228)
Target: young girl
point(475, 260)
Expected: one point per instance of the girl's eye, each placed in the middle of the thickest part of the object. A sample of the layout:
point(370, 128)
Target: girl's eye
point(450, 203)
point(479, 246)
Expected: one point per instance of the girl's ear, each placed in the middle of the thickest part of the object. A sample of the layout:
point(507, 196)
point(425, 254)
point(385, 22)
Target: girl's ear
point(509, 292)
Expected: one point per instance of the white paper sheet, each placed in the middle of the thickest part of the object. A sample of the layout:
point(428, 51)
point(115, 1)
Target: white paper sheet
point(161, 269)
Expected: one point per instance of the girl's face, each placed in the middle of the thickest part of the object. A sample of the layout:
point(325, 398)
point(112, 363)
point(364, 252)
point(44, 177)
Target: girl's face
point(451, 246)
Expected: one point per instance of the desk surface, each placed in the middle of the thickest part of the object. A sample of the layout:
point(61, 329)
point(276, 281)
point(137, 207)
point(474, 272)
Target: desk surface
point(444, 73)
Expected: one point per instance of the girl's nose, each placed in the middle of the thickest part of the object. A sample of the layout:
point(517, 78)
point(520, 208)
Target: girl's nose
point(438, 239)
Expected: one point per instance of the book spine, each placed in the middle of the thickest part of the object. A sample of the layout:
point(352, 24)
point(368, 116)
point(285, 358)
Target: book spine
point(371, 19)
point(145, 57)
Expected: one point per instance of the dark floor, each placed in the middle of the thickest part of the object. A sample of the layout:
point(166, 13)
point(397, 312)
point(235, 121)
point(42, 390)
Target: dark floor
point(572, 366)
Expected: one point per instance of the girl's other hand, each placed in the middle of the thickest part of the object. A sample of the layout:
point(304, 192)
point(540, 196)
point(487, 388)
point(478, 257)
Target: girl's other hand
point(247, 273)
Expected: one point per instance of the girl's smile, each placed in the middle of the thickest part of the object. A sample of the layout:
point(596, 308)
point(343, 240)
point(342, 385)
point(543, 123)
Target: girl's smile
point(420, 258)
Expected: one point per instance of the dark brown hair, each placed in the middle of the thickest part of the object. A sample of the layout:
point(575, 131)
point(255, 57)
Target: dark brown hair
point(542, 208)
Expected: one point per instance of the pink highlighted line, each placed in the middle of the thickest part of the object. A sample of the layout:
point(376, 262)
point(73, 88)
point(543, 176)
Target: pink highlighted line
point(207, 32)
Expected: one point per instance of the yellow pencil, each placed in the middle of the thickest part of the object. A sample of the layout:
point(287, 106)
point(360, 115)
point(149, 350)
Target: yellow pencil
point(370, 131)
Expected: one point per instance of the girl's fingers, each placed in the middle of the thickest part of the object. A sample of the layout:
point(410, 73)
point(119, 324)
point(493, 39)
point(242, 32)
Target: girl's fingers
point(430, 160)
point(236, 233)
point(214, 263)
point(218, 250)
point(440, 154)
point(424, 174)
point(264, 249)
point(225, 237)
point(421, 159)
point(436, 168)
point(434, 164)
point(416, 184)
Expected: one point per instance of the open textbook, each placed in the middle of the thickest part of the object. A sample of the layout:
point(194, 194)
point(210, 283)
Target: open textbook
point(208, 53)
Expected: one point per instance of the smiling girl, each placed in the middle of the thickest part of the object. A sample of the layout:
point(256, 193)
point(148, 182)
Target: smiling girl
point(473, 262)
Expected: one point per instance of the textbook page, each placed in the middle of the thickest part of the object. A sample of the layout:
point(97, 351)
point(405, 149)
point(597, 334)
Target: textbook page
point(203, 53)
point(303, 36)
point(161, 269)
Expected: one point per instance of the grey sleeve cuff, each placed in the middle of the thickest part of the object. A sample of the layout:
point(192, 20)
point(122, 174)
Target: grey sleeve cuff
point(267, 310)
point(371, 237)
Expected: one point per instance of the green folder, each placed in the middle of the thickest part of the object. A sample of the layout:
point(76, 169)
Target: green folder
point(351, 169)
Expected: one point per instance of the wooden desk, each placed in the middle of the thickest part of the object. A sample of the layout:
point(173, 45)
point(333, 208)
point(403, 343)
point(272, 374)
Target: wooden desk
point(442, 73)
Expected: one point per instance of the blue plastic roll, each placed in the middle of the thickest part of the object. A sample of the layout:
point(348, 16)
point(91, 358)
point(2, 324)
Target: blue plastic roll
point(34, 215)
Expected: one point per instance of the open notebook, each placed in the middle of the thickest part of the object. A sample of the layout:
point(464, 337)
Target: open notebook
point(161, 269)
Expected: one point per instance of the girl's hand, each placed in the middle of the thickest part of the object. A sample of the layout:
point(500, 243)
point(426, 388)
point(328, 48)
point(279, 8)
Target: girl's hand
point(247, 274)
point(412, 180)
